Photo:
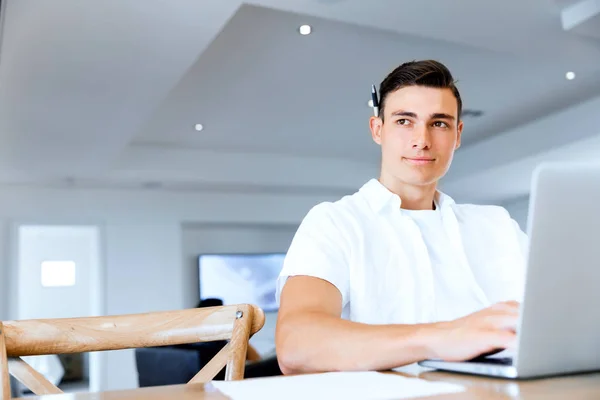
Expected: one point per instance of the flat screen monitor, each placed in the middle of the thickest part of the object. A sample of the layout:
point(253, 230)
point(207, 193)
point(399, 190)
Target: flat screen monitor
point(240, 278)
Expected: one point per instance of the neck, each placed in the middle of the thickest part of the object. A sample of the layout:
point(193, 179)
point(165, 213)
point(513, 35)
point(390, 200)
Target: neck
point(413, 197)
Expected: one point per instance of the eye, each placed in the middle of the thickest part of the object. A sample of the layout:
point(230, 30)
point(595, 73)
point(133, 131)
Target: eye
point(403, 121)
point(440, 124)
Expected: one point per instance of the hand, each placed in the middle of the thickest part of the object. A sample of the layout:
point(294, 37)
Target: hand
point(485, 331)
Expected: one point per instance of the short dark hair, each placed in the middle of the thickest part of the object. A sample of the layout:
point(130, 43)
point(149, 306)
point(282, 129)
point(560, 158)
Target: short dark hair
point(429, 73)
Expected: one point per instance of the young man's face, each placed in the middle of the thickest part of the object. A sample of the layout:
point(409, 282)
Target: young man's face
point(419, 134)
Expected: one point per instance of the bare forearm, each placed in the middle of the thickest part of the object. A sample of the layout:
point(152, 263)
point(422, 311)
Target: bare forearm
point(315, 342)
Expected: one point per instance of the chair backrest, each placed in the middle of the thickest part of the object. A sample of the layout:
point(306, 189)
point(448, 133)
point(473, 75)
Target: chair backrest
point(236, 323)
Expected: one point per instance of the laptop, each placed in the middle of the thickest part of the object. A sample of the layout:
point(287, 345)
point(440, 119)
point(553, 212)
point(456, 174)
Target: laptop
point(559, 324)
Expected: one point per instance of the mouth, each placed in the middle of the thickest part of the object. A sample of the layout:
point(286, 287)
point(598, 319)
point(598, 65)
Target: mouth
point(419, 160)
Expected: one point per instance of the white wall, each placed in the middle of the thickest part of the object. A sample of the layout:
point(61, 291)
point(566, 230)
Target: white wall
point(142, 249)
point(5, 276)
point(143, 273)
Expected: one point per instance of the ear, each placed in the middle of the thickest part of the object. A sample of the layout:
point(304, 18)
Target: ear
point(376, 125)
point(458, 134)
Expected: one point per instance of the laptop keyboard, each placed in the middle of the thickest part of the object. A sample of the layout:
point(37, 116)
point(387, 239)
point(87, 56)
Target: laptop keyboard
point(493, 361)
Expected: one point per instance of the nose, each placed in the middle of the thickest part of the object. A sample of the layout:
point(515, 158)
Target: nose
point(421, 138)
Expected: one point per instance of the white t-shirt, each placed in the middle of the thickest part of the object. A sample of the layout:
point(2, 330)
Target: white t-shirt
point(452, 297)
point(395, 266)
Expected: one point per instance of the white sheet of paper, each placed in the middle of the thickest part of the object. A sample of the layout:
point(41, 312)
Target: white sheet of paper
point(334, 385)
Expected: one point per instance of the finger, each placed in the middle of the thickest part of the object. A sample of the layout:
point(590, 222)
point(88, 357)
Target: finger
point(511, 307)
point(508, 304)
point(488, 353)
point(502, 322)
point(502, 340)
point(492, 342)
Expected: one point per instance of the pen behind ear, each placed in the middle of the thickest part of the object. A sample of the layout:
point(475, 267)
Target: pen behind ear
point(375, 101)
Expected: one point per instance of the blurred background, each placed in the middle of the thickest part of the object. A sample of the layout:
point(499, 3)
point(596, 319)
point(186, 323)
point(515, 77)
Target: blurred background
point(139, 136)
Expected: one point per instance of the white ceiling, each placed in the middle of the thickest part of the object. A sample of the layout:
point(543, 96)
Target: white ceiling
point(108, 92)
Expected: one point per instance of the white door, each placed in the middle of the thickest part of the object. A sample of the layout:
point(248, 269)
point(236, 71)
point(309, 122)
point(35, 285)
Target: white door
point(56, 269)
point(59, 277)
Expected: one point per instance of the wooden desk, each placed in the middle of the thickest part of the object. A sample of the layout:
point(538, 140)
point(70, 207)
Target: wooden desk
point(572, 387)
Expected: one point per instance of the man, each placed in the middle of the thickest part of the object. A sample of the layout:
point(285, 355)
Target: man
point(398, 272)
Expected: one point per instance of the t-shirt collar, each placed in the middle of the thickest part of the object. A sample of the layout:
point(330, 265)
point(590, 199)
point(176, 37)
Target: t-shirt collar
point(381, 198)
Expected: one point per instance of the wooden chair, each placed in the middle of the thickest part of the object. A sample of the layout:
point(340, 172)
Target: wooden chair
point(236, 323)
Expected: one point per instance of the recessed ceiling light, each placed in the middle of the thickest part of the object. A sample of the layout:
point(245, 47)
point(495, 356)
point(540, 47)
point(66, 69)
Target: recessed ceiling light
point(370, 103)
point(305, 30)
point(198, 127)
point(570, 75)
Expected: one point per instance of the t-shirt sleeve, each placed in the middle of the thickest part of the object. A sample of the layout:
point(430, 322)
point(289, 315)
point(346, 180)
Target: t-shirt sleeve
point(319, 249)
point(522, 238)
